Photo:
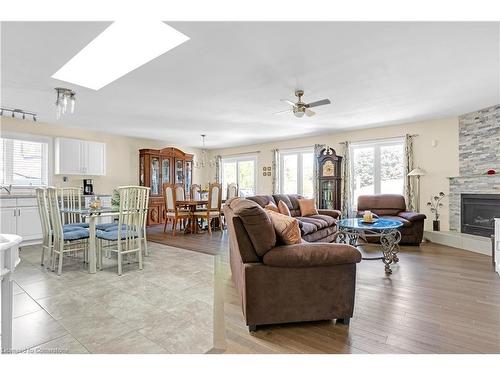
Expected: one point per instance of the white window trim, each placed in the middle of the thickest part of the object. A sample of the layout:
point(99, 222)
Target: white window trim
point(299, 152)
point(376, 158)
point(34, 138)
point(241, 157)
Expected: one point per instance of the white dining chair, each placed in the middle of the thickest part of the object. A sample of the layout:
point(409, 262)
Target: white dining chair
point(71, 198)
point(64, 241)
point(127, 239)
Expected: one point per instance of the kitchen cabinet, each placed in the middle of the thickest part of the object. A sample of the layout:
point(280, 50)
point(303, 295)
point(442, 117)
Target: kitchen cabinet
point(79, 157)
point(20, 216)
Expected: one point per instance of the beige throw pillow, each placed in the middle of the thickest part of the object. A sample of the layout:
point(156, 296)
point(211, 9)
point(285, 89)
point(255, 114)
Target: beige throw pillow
point(271, 206)
point(307, 207)
point(286, 227)
point(283, 208)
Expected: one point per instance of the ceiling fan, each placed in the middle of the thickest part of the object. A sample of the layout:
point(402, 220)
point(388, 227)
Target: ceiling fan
point(300, 108)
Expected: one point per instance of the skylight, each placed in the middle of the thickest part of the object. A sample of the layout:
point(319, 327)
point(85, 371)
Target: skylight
point(121, 48)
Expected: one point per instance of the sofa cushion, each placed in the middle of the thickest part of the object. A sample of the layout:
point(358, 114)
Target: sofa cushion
point(305, 227)
point(317, 222)
point(257, 224)
point(271, 206)
point(283, 208)
point(294, 201)
point(311, 255)
point(382, 204)
point(307, 207)
point(286, 227)
point(322, 235)
point(263, 200)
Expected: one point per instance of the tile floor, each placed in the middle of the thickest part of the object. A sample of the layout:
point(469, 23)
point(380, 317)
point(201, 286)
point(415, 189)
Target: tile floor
point(165, 308)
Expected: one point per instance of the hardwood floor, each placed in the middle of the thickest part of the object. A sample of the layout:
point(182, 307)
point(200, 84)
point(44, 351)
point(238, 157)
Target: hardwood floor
point(438, 300)
point(201, 242)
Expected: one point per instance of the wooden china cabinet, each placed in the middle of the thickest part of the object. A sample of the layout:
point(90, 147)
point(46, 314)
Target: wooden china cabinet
point(156, 167)
point(330, 179)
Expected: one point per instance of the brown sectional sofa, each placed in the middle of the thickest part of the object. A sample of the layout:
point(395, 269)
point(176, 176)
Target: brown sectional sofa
point(317, 228)
point(282, 284)
point(393, 207)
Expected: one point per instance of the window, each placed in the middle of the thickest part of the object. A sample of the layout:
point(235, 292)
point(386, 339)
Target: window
point(296, 172)
point(24, 161)
point(242, 171)
point(377, 168)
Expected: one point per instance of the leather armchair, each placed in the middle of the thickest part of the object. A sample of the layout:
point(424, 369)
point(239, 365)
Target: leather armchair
point(292, 283)
point(393, 207)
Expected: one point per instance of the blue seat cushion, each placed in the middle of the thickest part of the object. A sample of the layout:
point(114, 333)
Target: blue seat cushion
point(109, 227)
point(77, 225)
point(76, 235)
point(112, 235)
point(70, 228)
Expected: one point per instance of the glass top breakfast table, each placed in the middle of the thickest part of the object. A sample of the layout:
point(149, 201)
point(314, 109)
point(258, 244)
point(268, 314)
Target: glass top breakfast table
point(91, 214)
point(351, 230)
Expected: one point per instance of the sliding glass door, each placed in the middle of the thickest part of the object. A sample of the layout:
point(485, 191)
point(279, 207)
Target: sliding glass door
point(242, 171)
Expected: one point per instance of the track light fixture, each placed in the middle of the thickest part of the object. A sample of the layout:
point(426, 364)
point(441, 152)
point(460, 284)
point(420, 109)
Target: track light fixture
point(13, 111)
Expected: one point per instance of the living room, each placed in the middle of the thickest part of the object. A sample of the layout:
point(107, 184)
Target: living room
point(250, 187)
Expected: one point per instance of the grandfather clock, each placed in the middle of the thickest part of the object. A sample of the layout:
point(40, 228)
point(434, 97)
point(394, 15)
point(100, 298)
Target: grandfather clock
point(330, 180)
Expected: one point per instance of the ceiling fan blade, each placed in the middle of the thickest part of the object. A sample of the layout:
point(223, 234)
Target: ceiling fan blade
point(280, 112)
point(310, 113)
point(319, 102)
point(289, 102)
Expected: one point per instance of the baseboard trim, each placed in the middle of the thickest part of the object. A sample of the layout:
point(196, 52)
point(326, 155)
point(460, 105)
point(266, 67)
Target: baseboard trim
point(463, 241)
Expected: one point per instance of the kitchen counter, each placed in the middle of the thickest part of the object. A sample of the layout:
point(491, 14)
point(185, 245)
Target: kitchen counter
point(14, 196)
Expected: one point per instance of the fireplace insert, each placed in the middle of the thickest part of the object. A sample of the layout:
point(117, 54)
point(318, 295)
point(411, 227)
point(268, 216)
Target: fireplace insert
point(478, 213)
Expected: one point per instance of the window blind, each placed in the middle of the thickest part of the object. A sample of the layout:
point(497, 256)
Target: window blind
point(23, 163)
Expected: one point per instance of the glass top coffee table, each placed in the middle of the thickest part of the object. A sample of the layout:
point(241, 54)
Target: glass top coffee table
point(350, 230)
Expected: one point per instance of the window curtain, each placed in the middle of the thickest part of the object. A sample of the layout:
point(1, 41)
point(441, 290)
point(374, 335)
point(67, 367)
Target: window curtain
point(218, 169)
point(276, 171)
point(317, 152)
point(347, 182)
point(409, 187)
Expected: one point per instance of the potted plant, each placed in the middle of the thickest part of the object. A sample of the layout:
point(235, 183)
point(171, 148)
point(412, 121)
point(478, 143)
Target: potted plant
point(435, 204)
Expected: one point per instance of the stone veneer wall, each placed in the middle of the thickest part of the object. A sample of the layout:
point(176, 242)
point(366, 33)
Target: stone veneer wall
point(479, 150)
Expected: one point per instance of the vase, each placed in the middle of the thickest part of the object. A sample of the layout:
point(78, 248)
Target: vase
point(435, 225)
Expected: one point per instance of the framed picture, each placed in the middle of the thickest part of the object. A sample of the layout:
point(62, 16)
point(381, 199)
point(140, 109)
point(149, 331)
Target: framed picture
point(263, 173)
point(269, 173)
point(263, 169)
point(269, 168)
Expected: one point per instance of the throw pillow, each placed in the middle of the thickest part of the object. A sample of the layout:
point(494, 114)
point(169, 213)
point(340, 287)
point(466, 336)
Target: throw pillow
point(307, 207)
point(286, 228)
point(271, 206)
point(283, 208)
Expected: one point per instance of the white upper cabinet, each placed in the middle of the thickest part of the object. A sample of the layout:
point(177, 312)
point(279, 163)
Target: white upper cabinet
point(74, 156)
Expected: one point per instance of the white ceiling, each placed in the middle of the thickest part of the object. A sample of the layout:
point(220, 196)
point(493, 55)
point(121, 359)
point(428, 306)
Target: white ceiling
point(227, 80)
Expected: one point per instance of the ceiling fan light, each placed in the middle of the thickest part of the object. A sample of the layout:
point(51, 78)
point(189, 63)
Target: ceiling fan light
point(298, 113)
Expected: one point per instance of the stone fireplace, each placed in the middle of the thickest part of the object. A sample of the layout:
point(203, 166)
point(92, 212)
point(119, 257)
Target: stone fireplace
point(475, 196)
point(478, 212)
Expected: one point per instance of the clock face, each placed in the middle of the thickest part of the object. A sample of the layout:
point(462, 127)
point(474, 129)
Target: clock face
point(328, 169)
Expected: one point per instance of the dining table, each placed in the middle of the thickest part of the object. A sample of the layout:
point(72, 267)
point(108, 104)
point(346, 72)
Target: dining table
point(91, 215)
point(192, 205)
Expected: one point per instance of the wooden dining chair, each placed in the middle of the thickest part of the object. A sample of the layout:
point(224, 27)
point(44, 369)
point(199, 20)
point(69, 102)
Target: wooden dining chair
point(195, 192)
point(232, 191)
point(173, 212)
point(213, 209)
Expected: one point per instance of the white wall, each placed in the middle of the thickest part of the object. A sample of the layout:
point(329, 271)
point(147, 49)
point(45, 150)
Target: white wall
point(439, 161)
point(122, 153)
